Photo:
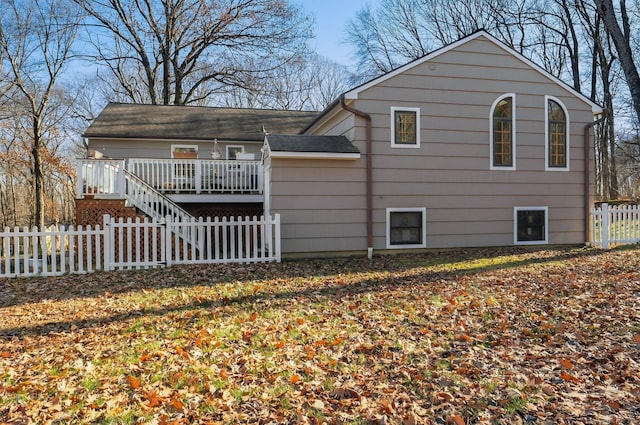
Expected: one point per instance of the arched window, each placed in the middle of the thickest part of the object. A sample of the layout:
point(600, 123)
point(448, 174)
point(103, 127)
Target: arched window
point(503, 127)
point(557, 140)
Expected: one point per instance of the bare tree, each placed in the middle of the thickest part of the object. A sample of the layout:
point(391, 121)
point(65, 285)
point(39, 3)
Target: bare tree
point(310, 83)
point(36, 39)
point(621, 37)
point(394, 33)
point(399, 31)
point(182, 51)
point(556, 28)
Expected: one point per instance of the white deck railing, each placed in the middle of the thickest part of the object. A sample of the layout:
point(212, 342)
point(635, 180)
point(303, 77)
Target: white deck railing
point(137, 244)
point(101, 176)
point(106, 176)
point(615, 224)
point(199, 175)
point(150, 201)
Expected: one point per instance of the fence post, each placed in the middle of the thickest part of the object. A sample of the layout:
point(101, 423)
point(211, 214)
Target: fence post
point(605, 225)
point(107, 242)
point(168, 238)
point(277, 238)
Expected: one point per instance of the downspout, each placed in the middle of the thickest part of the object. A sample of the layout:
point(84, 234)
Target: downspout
point(368, 141)
point(587, 172)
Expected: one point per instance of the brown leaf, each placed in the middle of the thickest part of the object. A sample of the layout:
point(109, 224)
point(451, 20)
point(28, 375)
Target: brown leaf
point(153, 400)
point(409, 420)
point(176, 402)
point(457, 420)
point(566, 363)
point(342, 393)
point(387, 407)
point(182, 352)
point(464, 338)
point(613, 404)
point(133, 382)
point(568, 377)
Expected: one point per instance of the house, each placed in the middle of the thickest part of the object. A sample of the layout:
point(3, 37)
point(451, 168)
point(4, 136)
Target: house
point(206, 160)
point(471, 145)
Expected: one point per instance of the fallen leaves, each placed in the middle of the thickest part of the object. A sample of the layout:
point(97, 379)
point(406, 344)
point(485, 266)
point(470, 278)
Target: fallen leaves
point(133, 382)
point(570, 378)
point(459, 337)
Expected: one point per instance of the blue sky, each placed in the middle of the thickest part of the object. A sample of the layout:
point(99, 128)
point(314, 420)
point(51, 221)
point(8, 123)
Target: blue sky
point(332, 17)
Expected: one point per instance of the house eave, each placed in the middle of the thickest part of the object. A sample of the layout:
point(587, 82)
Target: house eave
point(315, 155)
point(95, 138)
point(353, 94)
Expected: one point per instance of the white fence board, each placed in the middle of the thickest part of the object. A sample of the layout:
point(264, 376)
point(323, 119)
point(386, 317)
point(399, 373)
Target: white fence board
point(50, 251)
point(138, 244)
point(615, 224)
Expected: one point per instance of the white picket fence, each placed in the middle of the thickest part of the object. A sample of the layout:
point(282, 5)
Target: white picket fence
point(615, 224)
point(138, 244)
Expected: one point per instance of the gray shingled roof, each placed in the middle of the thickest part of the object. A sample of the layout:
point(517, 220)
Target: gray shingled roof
point(308, 143)
point(119, 120)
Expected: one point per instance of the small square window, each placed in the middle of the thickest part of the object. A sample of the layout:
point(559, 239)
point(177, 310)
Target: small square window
point(406, 228)
point(530, 225)
point(232, 151)
point(405, 127)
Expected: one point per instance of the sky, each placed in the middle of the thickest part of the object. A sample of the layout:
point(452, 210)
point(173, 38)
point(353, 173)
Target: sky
point(332, 18)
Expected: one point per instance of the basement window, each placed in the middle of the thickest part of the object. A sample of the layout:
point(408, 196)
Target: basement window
point(406, 228)
point(530, 225)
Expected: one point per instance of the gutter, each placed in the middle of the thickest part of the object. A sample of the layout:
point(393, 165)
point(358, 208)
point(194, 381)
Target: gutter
point(368, 141)
point(587, 159)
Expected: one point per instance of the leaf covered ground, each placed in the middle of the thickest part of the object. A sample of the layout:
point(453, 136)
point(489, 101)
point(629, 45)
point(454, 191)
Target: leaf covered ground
point(509, 336)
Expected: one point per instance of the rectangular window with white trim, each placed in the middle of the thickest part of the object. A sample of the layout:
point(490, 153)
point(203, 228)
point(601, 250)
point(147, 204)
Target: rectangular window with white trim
point(405, 127)
point(406, 228)
point(530, 225)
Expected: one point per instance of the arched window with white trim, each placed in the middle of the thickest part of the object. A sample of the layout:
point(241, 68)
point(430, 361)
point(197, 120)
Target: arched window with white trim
point(556, 135)
point(503, 133)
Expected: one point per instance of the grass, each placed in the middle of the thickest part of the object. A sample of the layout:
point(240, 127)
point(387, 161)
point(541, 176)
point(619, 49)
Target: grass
point(485, 335)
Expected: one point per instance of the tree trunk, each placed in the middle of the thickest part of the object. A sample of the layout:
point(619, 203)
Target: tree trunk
point(613, 169)
point(623, 47)
point(38, 184)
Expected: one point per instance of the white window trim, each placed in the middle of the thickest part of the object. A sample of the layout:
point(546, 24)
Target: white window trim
point(515, 225)
point(513, 132)
point(231, 147)
point(546, 134)
point(423, 211)
point(393, 127)
point(174, 147)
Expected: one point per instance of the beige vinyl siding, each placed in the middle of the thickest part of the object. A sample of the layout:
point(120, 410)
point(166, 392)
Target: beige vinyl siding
point(341, 124)
point(321, 203)
point(467, 204)
point(160, 149)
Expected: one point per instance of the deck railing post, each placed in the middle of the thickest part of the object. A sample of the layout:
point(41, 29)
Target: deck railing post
point(198, 176)
point(80, 179)
point(120, 188)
